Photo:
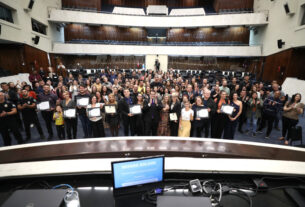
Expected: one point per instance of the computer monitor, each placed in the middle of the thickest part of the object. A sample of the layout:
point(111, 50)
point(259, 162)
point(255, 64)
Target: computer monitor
point(137, 173)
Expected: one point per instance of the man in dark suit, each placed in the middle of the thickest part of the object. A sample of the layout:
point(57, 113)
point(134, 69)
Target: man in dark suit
point(128, 119)
point(151, 109)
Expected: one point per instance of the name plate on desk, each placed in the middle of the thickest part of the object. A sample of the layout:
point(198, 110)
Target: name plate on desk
point(82, 101)
point(110, 109)
point(227, 109)
point(135, 109)
point(203, 113)
point(94, 112)
point(43, 106)
point(70, 113)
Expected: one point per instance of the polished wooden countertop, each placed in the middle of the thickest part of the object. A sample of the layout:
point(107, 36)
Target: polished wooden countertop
point(119, 147)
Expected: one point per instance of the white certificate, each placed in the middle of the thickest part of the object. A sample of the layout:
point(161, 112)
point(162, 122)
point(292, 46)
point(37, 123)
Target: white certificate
point(135, 109)
point(94, 112)
point(70, 113)
point(203, 113)
point(227, 109)
point(173, 117)
point(110, 109)
point(43, 106)
point(83, 101)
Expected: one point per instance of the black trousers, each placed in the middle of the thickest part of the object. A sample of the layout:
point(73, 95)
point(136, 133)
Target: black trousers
point(218, 124)
point(13, 127)
point(206, 127)
point(48, 118)
point(60, 131)
point(287, 125)
point(129, 123)
point(98, 128)
point(174, 128)
point(139, 127)
point(242, 119)
point(151, 127)
point(29, 119)
point(270, 120)
point(230, 128)
point(71, 126)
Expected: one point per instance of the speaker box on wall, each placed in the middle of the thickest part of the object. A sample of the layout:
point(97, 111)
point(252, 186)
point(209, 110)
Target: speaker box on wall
point(31, 4)
point(280, 43)
point(286, 7)
point(36, 40)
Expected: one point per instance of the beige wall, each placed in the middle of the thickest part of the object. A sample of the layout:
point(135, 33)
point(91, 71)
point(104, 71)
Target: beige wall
point(150, 62)
point(281, 26)
point(21, 30)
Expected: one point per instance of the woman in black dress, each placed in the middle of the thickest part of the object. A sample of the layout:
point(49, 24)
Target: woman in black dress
point(113, 120)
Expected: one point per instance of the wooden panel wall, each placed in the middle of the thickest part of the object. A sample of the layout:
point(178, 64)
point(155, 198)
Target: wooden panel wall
point(236, 34)
point(77, 31)
point(289, 63)
point(22, 58)
point(209, 63)
point(231, 34)
point(11, 58)
point(82, 4)
point(122, 62)
point(169, 3)
point(235, 4)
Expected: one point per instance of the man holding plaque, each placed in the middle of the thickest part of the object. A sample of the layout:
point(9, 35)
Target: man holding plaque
point(82, 101)
point(128, 118)
point(151, 109)
point(211, 106)
point(47, 114)
point(27, 106)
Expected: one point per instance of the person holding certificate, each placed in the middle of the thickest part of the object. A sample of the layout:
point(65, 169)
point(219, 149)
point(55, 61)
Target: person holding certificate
point(112, 115)
point(139, 129)
point(82, 101)
point(151, 110)
point(219, 119)
point(94, 114)
point(208, 103)
point(47, 114)
point(187, 115)
point(174, 114)
point(128, 118)
point(69, 105)
point(199, 117)
point(230, 127)
point(163, 128)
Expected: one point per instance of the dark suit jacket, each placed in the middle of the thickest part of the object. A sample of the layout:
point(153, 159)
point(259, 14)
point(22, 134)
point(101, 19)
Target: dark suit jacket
point(150, 110)
point(176, 109)
point(124, 108)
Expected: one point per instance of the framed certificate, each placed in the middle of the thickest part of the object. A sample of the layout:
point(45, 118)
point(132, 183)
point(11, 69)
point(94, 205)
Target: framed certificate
point(43, 106)
point(135, 109)
point(203, 113)
point(227, 109)
point(173, 117)
point(94, 112)
point(70, 113)
point(82, 101)
point(110, 109)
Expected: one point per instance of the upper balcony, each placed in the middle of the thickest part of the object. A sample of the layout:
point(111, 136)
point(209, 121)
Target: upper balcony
point(219, 20)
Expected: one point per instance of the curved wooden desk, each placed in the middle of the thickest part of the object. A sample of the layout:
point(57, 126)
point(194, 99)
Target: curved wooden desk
point(147, 146)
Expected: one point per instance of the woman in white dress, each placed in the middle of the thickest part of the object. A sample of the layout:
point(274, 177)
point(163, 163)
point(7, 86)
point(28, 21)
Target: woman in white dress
point(187, 115)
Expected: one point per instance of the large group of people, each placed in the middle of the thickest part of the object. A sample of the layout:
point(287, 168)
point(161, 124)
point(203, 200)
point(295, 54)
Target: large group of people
point(145, 103)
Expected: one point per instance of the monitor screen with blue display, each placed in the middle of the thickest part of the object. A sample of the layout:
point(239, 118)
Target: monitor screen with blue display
point(137, 172)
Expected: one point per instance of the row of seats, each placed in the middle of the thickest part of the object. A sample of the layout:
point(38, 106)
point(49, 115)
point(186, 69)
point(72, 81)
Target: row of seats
point(115, 42)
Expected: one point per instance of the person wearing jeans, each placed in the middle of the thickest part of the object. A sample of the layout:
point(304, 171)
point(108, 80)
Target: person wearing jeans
point(292, 110)
point(254, 106)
